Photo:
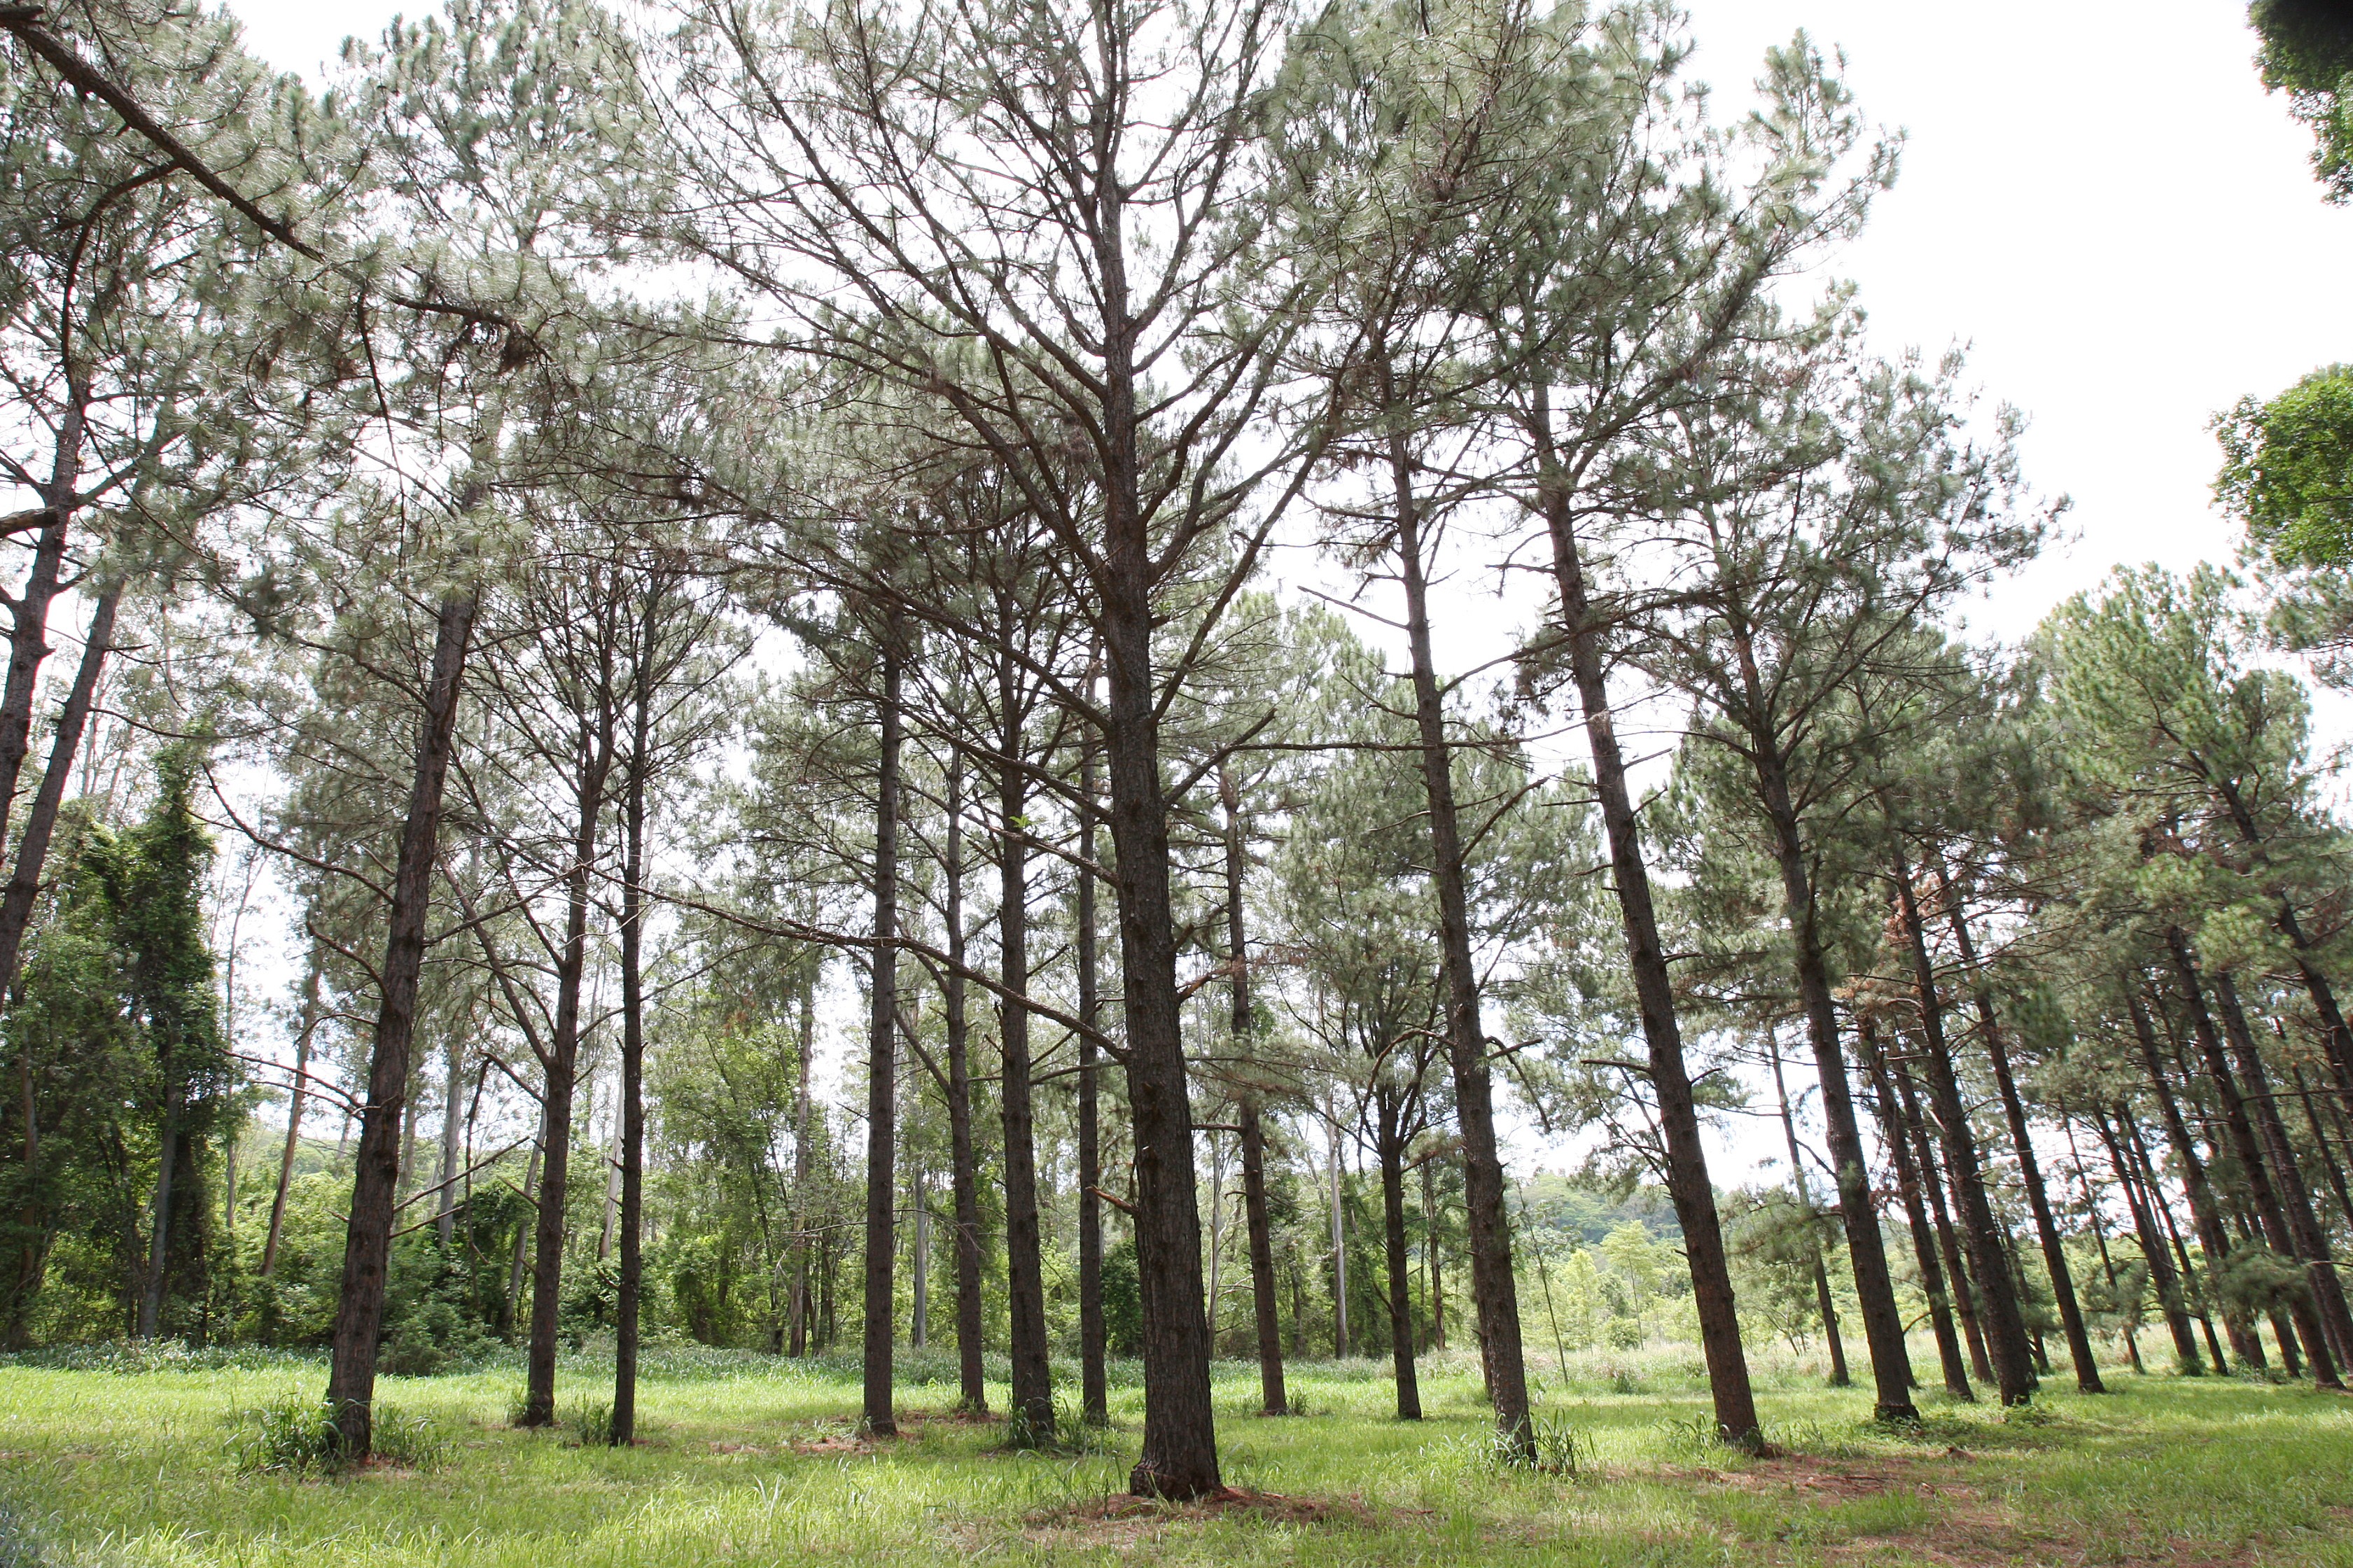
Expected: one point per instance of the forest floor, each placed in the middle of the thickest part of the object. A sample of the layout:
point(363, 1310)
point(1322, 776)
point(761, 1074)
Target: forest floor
point(745, 1460)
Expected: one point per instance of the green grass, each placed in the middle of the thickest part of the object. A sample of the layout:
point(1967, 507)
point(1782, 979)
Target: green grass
point(752, 1461)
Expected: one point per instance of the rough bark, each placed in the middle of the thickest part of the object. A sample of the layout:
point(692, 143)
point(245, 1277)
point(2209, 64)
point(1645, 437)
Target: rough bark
point(367, 1236)
point(633, 1041)
point(1949, 1246)
point(1032, 1412)
point(798, 1311)
point(1494, 1284)
point(1688, 1183)
point(1400, 1267)
point(1897, 1134)
point(1094, 1384)
point(1875, 1288)
point(2205, 1213)
point(1179, 1457)
point(559, 1080)
point(879, 1417)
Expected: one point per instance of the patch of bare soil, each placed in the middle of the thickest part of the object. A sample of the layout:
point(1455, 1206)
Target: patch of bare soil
point(1122, 1521)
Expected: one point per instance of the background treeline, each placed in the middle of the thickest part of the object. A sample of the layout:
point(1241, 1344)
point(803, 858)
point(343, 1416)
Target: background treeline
point(1015, 678)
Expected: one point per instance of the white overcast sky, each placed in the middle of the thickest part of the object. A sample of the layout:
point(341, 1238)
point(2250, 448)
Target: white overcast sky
point(2097, 200)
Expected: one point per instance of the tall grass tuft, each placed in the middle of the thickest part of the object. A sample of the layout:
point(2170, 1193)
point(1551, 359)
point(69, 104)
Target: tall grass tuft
point(296, 1435)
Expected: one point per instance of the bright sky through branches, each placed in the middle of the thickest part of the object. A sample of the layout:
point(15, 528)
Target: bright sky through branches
point(2099, 202)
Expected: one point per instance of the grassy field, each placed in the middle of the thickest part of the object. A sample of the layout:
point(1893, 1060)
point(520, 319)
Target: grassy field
point(748, 1461)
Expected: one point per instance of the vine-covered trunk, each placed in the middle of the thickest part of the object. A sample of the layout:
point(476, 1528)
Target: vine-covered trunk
point(367, 1235)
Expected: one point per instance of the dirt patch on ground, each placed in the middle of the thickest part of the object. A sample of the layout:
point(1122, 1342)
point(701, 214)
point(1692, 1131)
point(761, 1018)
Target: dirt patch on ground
point(1122, 1521)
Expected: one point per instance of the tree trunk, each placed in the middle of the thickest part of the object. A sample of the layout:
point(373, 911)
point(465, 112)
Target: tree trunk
point(633, 1033)
point(1272, 1398)
point(1339, 1244)
point(1032, 1413)
point(28, 612)
point(964, 1173)
point(1897, 1135)
point(879, 1418)
point(2003, 1324)
point(797, 1311)
point(33, 848)
point(17, 913)
point(1180, 1459)
point(523, 1239)
point(445, 1184)
point(2329, 1166)
point(368, 1236)
point(295, 1097)
point(1688, 1183)
point(159, 1232)
point(562, 1066)
point(1494, 1281)
point(1875, 1289)
point(1829, 1309)
point(2261, 1194)
point(1400, 1267)
point(2030, 1169)
point(1094, 1386)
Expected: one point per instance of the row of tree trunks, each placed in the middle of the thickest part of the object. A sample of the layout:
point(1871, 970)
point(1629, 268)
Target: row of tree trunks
point(2030, 1173)
point(1898, 1134)
point(2000, 1321)
point(2265, 1198)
